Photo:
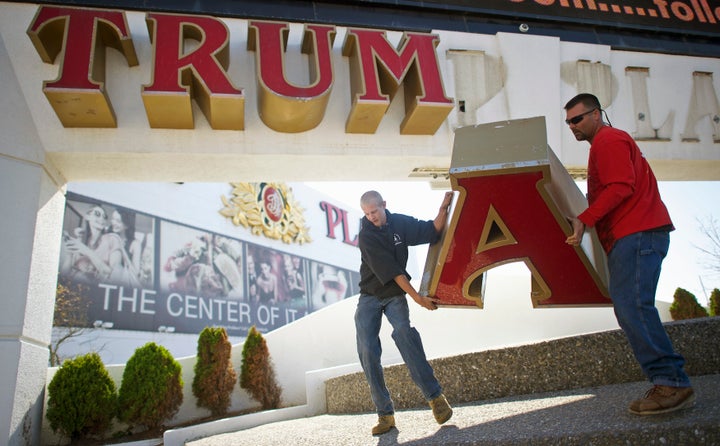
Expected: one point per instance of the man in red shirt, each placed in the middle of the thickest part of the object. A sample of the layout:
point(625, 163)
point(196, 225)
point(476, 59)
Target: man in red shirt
point(634, 227)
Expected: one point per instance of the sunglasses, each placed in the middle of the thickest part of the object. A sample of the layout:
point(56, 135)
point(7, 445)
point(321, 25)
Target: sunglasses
point(576, 119)
point(96, 213)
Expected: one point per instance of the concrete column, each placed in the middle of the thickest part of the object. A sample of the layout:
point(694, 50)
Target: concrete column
point(31, 205)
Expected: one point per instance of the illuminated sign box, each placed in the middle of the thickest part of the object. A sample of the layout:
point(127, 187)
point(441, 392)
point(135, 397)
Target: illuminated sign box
point(515, 198)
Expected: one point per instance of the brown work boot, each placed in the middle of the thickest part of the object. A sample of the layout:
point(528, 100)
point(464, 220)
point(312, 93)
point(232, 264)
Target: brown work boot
point(441, 409)
point(662, 399)
point(385, 423)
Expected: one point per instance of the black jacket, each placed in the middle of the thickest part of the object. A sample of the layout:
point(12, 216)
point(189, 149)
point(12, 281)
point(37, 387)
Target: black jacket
point(384, 251)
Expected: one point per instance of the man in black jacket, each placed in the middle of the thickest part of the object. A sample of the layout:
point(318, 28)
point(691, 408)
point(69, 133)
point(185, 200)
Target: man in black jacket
point(384, 282)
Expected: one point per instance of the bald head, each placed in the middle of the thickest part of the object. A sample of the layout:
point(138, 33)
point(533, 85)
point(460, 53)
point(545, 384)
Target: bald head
point(373, 207)
point(371, 197)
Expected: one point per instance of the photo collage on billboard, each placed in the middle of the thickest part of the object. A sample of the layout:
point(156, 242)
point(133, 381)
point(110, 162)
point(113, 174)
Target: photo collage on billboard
point(141, 272)
point(102, 242)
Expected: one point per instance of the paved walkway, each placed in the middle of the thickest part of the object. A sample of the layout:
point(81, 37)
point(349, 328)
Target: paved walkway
point(593, 416)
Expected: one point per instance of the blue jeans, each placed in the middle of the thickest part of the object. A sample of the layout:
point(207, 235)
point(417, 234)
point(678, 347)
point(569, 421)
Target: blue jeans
point(368, 318)
point(634, 266)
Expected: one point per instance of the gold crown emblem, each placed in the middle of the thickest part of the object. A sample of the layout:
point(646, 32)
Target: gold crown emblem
point(267, 209)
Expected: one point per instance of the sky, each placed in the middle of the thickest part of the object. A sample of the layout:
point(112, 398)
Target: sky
point(688, 202)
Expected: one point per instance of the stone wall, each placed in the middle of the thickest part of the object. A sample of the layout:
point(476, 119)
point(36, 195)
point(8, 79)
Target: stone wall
point(584, 361)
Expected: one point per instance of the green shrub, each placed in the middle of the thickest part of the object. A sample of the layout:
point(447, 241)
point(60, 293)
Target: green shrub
point(82, 398)
point(257, 375)
point(151, 388)
point(214, 374)
point(715, 302)
point(686, 306)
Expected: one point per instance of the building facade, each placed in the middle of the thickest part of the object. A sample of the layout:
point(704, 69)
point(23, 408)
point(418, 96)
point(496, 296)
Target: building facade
point(309, 90)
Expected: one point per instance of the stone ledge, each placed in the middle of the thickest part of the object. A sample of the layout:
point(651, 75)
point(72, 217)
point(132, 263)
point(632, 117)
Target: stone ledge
point(595, 359)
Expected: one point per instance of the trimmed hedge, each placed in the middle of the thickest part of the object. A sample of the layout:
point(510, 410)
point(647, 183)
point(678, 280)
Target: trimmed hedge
point(686, 306)
point(152, 387)
point(715, 302)
point(82, 398)
point(214, 374)
point(257, 374)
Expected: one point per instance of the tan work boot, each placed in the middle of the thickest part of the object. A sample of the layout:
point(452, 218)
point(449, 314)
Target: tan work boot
point(441, 409)
point(385, 423)
point(661, 399)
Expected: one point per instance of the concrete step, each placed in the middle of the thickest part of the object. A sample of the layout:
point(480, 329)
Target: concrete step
point(595, 416)
point(570, 391)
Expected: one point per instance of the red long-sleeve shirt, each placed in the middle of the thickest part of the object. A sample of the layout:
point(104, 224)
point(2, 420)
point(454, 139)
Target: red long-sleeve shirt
point(623, 194)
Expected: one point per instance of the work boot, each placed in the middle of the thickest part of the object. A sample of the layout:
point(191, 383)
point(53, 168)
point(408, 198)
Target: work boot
point(385, 423)
point(441, 409)
point(661, 399)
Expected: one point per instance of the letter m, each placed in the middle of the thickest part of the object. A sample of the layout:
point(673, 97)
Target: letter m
point(376, 72)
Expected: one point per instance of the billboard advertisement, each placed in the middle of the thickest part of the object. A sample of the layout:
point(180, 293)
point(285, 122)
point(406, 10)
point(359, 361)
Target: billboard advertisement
point(141, 272)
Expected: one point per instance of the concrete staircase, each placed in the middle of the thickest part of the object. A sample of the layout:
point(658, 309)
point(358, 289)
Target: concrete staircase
point(572, 391)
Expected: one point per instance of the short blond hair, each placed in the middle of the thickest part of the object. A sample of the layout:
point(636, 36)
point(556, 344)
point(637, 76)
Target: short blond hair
point(371, 197)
